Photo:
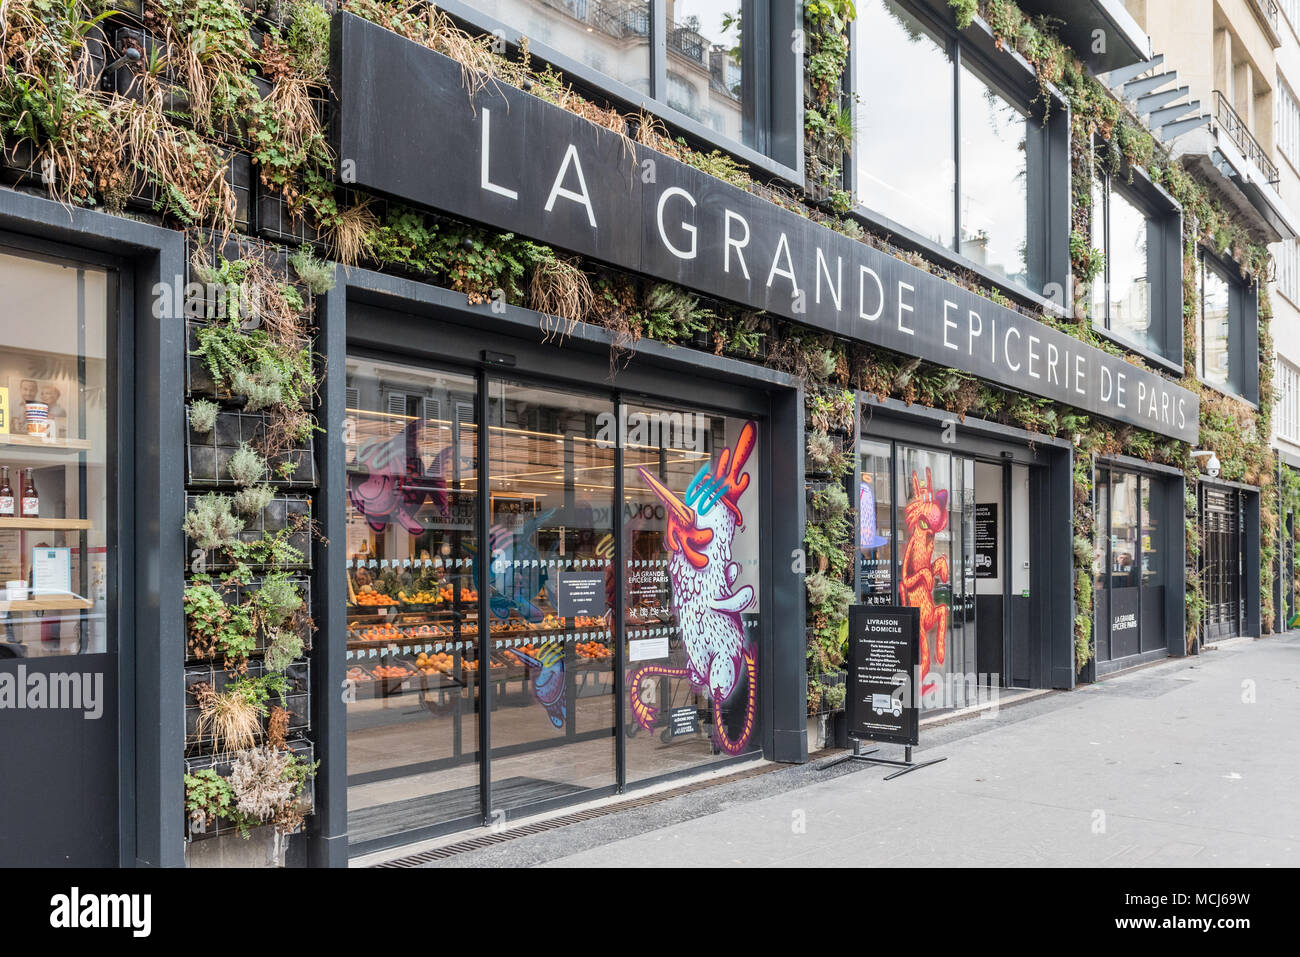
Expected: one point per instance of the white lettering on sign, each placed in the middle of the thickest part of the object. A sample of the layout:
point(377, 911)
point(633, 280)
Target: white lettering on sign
point(729, 243)
point(559, 190)
point(686, 227)
point(485, 160)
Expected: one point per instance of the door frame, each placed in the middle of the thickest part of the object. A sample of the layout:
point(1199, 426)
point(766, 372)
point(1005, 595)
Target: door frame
point(450, 333)
point(150, 355)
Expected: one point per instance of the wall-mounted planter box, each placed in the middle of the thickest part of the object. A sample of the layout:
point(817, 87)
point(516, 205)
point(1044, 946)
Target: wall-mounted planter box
point(207, 455)
point(233, 594)
point(275, 221)
point(198, 379)
point(239, 177)
point(19, 165)
point(297, 700)
point(283, 512)
point(221, 764)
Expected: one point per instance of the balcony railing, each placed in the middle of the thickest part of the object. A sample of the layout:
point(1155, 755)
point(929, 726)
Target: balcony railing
point(1236, 130)
point(1268, 10)
point(615, 18)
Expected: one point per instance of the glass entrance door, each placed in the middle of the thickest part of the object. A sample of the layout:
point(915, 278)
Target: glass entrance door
point(551, 542)
point(484, 592)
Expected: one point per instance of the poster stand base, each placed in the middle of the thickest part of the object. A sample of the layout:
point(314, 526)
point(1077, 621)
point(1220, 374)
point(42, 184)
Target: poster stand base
point(906, 765)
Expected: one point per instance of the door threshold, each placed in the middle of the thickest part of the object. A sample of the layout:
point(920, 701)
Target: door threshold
point(458, 842)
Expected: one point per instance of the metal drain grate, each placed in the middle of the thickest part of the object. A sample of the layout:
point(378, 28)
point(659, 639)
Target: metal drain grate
point(564, 820)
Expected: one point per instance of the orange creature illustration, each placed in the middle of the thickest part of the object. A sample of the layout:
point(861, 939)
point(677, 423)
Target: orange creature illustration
point(925, 516)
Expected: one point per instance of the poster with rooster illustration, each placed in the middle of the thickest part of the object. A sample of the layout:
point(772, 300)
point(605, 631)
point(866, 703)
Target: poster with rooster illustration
point(708, 598)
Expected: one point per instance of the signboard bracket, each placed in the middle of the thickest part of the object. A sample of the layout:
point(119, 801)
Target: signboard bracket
point(906, 765)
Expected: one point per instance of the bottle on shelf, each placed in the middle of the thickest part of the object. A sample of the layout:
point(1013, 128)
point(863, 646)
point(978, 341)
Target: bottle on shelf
point(7, 509)
point(31, 501)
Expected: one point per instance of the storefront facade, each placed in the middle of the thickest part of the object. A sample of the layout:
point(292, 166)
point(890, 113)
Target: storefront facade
point(515, 555)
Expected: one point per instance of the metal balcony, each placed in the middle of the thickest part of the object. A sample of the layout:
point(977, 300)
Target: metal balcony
point(1232, 125)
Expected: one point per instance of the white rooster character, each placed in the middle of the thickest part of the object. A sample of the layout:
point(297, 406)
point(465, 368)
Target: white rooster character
point(705, 600)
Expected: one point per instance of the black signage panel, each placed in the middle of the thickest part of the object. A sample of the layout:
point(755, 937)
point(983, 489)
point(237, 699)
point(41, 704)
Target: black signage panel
point(986, 540)
point(580, 593)
point(409, 127)
point(884, 645)
point(685, 720)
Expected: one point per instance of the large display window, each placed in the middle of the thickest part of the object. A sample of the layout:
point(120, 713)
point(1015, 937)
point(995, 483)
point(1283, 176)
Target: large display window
point(55, 411)
point(488, 622)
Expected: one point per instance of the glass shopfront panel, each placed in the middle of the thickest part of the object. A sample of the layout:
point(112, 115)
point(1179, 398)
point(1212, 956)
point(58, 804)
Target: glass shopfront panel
point(55, 406)
point(425, 686)
point(413, 654)
point(551, 544)
point(691, 587)
point(875, 524)
point(707, 71)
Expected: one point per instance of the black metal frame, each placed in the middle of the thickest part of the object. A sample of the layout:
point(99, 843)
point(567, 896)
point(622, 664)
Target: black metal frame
point(1243, 329)
point(777, 81)
point(149, 353)
point(1248, 620)
point(1164, 265)
point(466, 337)
point(1048, 149)
point(1173, 531)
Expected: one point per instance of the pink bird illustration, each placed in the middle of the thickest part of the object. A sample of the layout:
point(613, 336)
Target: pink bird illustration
point(705, 599)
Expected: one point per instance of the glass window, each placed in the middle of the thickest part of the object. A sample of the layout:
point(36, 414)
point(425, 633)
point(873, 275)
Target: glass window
point(994, 177)
point(1152, 507)
point(925, 568)
point(705, 56)
point(411, 448)
point(905, 149)
point(1123, 529)
point(875, 526)
point(56, 570)
point(612, 36)
point(552, 545)
point(691, 533)
point(1214, 355)
point(1121, 293)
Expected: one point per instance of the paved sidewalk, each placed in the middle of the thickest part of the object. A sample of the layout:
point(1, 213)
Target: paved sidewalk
point(1167, 765)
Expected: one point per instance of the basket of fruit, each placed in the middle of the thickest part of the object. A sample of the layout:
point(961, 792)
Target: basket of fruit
point(419, 599)
point(367, 596)
point(593, 650)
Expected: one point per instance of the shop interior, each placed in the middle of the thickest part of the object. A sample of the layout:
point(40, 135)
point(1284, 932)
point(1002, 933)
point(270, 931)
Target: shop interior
point(419, 673)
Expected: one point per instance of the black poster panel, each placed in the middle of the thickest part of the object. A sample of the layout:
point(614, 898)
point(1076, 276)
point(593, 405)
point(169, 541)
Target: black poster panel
point(884, 645)
point(409, 127)
point(1124, 623)
point(986, 540)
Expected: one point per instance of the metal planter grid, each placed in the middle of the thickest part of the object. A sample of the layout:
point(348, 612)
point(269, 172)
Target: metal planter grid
point(198, 379)
point(297, 700)
point(301, 747)
point(277, 516)
point(207, 455)
point(237, 594)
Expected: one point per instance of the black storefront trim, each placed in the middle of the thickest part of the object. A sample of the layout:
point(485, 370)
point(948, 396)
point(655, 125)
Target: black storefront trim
point(1050, 511)
point(466, 331)
point(1173, 529)
point(151, 627)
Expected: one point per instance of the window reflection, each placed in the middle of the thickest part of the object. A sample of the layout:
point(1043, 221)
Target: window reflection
point(875, 526)
point(905, 128)
point(706, 77)
point(1214, 327)
point(994, 202)
point(612, 36)
point(1121, 294)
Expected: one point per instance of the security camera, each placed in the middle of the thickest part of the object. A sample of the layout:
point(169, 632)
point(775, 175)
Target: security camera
point(1212, 463)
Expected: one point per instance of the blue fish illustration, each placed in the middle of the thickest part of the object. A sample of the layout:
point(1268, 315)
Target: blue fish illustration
point(548, 680)
point(867, 535)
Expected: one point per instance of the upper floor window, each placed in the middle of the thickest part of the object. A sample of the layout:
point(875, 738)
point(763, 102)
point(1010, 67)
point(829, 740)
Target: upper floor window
point(1288, 271)
point(946, 146)
point(1137, 295)
point(1287, 418)
point(1227, 332)
point(707, 66)
point(1288, 124)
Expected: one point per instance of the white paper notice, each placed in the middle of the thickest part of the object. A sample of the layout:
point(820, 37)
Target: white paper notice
point(52, 571)
point(646, 649)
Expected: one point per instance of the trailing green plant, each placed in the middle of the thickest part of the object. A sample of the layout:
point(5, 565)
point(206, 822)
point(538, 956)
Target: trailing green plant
point(209, 798)
point(277, 598)
point(216, 628)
